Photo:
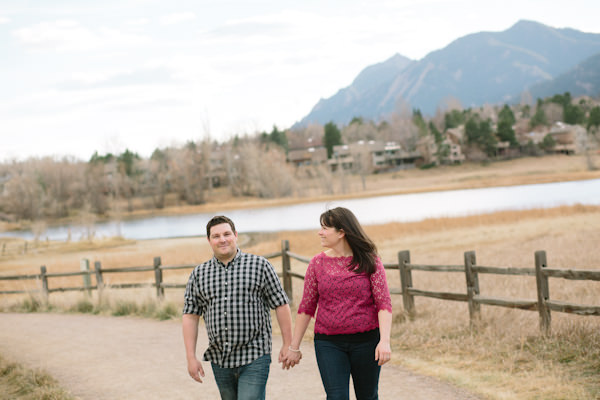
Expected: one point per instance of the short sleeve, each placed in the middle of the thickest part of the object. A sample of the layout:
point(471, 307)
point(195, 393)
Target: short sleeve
point(273, 291)
point(192, 299)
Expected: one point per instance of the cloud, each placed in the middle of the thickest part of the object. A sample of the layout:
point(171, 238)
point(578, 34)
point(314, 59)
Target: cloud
point(176, 18)
point(144, 76)
point(69, 35)
point(4, 20)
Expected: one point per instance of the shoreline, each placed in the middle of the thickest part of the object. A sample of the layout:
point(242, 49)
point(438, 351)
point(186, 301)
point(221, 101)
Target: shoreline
point(548, 169)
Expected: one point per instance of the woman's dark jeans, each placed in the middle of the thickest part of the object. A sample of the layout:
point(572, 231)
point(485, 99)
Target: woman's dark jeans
point(338, 360)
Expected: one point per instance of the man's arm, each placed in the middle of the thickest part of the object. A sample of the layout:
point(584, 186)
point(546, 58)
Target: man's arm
point(190, 339)
point(284, 319)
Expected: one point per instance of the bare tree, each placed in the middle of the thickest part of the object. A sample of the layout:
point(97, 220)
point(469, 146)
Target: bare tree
point(254, 176)
point(554, 112)
point(359, 130)
point(186, 167)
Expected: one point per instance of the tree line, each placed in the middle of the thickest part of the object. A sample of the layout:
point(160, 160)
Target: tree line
point(256, 165)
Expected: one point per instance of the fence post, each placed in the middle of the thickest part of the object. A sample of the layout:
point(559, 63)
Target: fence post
point(472, 279)
point(99, 280)
point(84, 265)
point(543, 292)
point(286, 267)
point(44, 279)
point(160, 290)
point(406, 281)
point(3, 248)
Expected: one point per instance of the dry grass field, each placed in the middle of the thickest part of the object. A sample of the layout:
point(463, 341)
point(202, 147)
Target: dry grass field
point(506, 357)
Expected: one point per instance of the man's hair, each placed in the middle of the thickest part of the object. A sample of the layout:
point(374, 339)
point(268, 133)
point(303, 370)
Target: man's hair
point(218, 220)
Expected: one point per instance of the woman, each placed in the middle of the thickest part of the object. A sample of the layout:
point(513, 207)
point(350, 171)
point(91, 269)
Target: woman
point(347, 283)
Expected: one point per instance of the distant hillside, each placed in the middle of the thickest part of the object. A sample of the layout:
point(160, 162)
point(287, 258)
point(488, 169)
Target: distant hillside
point(363, 96)
point(583, 79)
point(485, 67)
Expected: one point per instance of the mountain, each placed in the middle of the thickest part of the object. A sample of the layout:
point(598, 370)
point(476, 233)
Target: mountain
point(363, 96)
point(484, 67)
point(581, 80)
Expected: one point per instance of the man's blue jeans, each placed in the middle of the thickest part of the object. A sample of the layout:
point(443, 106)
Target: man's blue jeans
point(248, 382)
point(338, 360)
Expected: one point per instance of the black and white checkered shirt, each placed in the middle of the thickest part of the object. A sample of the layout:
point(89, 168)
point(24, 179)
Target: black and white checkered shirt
point(235, 301)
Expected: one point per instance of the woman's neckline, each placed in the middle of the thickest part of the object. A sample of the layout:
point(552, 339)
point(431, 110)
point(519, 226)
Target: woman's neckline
point(341, 256)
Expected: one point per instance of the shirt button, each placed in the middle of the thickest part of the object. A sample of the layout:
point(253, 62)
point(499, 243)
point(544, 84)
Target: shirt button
point(225, 283)
point(225, 313)
point(225, 298)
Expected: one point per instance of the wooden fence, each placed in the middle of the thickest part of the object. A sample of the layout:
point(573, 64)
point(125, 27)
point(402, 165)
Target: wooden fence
point(543, 304)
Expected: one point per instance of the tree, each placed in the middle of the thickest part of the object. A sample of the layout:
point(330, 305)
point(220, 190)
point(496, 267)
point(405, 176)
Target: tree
point(594, 120)
point(419, 122)
point(278, 137)
point(332, 137)
point(574, 114)
point(453, 119)
point(548, 143)
point(506, 120)
point(479, 133)
point(506, 114)
point(539, 118)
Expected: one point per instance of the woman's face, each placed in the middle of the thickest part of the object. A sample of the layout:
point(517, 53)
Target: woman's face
point(330, 236)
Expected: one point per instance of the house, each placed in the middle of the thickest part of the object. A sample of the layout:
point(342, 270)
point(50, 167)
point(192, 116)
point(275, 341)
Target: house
point(310, 152)
point(434, 153)
point(569, 139)
point(372, 156)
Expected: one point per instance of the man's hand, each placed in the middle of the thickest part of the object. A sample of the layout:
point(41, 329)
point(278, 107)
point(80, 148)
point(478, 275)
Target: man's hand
point(195, 369)
point(289, 358)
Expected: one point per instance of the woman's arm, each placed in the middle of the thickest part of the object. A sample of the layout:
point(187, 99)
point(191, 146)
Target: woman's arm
point(383, 351)
point(294, 355)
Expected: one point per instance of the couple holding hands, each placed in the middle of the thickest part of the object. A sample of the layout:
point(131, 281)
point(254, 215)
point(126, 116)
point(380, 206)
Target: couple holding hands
point(235, 291)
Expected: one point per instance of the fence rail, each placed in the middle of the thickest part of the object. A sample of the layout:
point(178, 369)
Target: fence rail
point(543, 304)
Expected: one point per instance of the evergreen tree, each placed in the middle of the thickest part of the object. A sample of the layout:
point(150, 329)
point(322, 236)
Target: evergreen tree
point(332, 137)
point(480, 133)
point(506, 120)
point(539, 118)
point(453, 119)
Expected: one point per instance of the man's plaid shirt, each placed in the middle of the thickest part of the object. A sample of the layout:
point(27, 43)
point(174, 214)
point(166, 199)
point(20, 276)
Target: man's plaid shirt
point(235, 301)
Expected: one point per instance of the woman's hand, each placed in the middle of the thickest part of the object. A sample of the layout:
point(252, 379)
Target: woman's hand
point(383, 352)
point(291, 358)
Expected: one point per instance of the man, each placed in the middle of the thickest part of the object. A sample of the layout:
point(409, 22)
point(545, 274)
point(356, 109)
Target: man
point(234, 292)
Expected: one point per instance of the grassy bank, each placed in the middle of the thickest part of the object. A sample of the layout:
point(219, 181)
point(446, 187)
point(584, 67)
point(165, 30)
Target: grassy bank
point(528, 170)
point(20, 383)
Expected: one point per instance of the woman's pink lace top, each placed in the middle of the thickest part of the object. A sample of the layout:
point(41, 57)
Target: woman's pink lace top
point(348, 302)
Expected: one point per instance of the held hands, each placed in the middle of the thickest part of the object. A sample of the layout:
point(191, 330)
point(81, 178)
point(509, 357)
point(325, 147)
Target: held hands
point(289, 357)
point(383, 353)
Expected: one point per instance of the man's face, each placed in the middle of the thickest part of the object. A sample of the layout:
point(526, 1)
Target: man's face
point(223, 242)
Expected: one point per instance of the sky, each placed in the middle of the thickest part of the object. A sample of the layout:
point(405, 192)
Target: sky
point(80, 76)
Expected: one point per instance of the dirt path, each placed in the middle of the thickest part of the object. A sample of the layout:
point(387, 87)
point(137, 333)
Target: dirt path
point(114, 358)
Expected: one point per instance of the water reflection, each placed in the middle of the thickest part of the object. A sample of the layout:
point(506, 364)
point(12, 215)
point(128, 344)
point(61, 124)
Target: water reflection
point(373, 210)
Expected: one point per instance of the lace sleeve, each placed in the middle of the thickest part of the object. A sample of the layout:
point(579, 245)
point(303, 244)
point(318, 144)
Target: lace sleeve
point(379, 288)
point(310, 295)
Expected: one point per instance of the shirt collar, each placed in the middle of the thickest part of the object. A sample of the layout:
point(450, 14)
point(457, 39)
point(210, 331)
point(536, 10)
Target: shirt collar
point(238, 254)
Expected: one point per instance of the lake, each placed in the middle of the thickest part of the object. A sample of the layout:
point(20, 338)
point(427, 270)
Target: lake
point(369, 211)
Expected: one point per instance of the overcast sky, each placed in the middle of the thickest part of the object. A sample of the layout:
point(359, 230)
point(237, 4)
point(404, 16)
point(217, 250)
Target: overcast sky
point(78, 76)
